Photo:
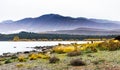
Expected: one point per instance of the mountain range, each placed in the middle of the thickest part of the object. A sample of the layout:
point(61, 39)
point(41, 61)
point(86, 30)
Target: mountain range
point(55, 23)
point(86, 31)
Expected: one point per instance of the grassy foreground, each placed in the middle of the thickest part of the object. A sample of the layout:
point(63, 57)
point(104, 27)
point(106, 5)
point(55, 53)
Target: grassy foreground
point(91, 56)
point(102, 60)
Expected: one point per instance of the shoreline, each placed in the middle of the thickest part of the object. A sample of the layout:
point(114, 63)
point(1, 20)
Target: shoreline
point(44, 41)
point(40, 47)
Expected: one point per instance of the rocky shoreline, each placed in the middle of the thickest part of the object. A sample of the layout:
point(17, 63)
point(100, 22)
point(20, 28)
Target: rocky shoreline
point(36, 49)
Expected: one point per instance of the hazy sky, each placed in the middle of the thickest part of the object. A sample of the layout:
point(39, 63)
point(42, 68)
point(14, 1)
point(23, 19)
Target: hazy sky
point(18, 9)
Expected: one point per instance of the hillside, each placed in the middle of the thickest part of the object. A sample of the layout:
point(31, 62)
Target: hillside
point(53, 22)
point(87, 31)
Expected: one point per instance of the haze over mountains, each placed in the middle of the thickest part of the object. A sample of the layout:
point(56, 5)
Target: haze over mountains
point(54, 23)
point(87, 31)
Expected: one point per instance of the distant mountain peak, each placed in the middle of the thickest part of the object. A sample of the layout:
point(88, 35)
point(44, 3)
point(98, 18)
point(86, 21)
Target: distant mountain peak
point(50, 15)
point(53, 18)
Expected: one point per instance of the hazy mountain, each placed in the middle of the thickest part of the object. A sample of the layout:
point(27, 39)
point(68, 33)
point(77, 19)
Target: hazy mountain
point(86, 31)
point(104, 21)
point(90, 29)
point(7, 21)
point(53, 22)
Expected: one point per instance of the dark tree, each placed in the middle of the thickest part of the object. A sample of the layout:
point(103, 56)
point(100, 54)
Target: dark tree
point(117, 38)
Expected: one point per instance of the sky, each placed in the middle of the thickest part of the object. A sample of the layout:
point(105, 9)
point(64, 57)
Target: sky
point(100, 9)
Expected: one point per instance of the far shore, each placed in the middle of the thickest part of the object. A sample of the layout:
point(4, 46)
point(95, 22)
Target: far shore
point(54, 41)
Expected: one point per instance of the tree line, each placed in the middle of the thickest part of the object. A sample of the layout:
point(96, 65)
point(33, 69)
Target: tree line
point(37, 36)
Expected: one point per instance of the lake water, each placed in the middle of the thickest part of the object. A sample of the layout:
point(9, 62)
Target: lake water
point(9, 46)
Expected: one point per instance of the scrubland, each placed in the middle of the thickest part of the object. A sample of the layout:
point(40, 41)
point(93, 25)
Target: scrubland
point(91, 56)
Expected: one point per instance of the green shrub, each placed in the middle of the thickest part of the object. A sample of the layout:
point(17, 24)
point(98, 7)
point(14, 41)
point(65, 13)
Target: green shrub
point(7, 61)
point(14, 57)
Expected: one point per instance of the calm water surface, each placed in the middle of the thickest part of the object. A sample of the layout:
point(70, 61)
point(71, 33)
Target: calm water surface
point(9, 46)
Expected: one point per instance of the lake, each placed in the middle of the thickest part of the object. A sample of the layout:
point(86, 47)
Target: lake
point(12, 47)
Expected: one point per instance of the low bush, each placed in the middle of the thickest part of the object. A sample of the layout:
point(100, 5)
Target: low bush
point(117, 38)
point(8, 61)
point(19, 65)
point(63, 49)
point(98, 61)
point(2, 59)
point(1, 63)
point(58, 49)
point(95, 62)
point(89, 55)
point(14, 57)
point(54, 60)
point(91, 50)
point(77, 62)
point(45, 57)
point(39, 55)
point(111, 45)
point(68, 49)
point(33, 57)
point(75, 53)
point(21, 58)
point(83, 48)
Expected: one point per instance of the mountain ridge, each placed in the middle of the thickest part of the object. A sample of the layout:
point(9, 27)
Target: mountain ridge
point(86, 31)
point(54, 22)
